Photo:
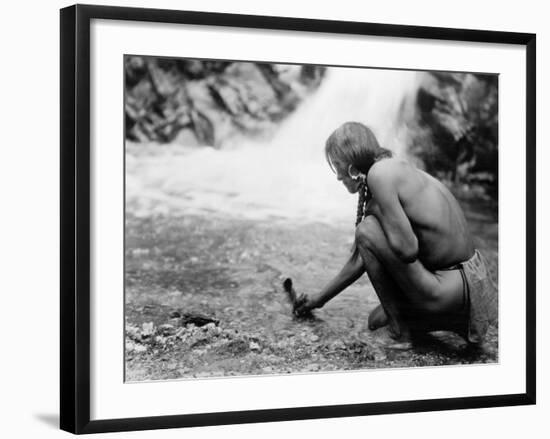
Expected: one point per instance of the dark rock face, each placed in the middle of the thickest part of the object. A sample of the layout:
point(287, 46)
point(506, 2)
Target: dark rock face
point(457, 135)
point(205, 102)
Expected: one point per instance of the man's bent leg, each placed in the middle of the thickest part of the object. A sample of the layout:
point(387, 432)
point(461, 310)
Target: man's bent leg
point(378, 318)
point(428, 292)
point(388, 292)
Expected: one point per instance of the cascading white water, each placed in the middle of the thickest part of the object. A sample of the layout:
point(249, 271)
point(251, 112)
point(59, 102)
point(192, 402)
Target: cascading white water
point(287, 176)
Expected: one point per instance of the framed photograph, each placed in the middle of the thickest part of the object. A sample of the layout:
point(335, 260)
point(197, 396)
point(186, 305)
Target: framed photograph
point(284, 218)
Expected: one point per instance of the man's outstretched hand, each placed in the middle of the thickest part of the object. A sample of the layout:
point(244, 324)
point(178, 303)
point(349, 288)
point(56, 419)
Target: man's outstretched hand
point(301, 304)
point(304, 305)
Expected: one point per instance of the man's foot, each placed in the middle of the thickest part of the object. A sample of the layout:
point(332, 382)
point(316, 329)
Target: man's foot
point(400, 334)
point(378, 318)
point(391, 337)
point(401, 346)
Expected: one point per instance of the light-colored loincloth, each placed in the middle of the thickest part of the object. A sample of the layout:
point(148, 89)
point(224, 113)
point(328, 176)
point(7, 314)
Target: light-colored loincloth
point(478, 292)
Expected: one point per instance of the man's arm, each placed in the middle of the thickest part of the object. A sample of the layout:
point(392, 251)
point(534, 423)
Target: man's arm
point(352, 270)
point(384, 186)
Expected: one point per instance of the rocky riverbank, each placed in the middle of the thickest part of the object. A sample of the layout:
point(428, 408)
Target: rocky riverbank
point(204, 299)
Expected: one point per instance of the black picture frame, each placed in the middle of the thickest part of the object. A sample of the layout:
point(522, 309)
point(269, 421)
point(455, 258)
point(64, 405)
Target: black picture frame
point(75, 217)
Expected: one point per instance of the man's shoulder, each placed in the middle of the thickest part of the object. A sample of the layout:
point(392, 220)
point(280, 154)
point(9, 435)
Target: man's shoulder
point(389, 170)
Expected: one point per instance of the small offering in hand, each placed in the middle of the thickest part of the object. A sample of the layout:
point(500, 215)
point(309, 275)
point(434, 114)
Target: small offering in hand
point(296, 300)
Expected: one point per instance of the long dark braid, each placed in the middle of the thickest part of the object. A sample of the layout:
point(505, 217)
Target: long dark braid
point(364, 198)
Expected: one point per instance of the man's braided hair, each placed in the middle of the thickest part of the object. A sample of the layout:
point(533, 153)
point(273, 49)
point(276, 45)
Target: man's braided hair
point(362, 202)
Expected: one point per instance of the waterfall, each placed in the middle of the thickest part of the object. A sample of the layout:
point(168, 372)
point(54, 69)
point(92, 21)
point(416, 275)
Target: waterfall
point(287, 176)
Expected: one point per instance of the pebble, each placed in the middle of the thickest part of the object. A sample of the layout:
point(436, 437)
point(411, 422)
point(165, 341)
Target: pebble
point(147, 329)
point(167, 329)
point(160, 339)
point(253, 346)
point(140, 348)
point(312, 367)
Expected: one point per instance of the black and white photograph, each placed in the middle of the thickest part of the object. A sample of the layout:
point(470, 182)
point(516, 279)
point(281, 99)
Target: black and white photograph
point(285, 218)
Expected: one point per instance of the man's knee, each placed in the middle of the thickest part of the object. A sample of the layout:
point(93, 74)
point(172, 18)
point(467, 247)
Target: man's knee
point(369, 233)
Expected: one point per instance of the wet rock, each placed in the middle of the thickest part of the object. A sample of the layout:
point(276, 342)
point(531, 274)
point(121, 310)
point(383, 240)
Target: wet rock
point(175, 322)
point(148, 309)
point(234, 347)
point(133, 331)
point(140, 348)
point(197, 319)
point(458, 135)
point(313, 367)
point(199, 102)
point(147, 329)
point(253, 346)
point(160, 339)
point(167, 329)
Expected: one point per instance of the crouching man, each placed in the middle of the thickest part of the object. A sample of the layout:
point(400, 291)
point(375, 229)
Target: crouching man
point(411, 239)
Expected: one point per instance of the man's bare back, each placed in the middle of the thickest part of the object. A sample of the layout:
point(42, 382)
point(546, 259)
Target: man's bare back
point(434, 214)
